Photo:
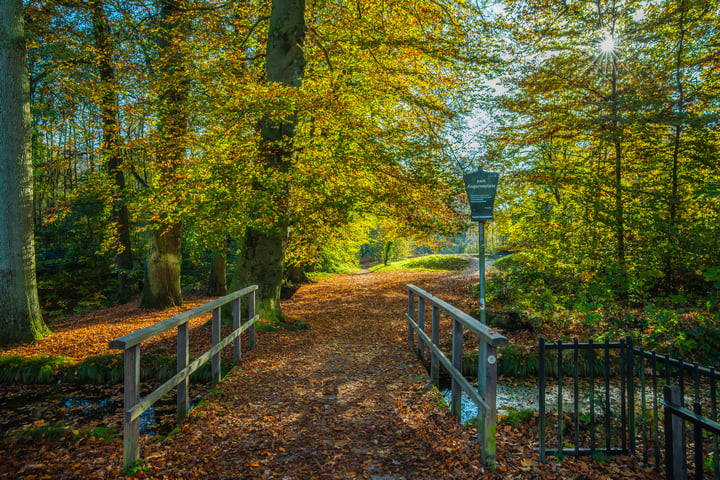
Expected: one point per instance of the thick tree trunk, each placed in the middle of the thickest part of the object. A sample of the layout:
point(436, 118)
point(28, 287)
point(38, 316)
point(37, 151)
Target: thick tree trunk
point(263, 259)
point(21, 319)
point(262, 264)
point(162, 274)
point(111, 147)
point(217, 283)
point(162, 271)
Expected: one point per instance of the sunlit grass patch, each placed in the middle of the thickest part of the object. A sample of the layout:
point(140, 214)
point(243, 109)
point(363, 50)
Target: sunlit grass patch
point(442, 263)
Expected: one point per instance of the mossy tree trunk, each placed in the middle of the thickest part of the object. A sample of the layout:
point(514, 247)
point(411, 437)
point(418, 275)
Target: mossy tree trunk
point(263, 259)
point(162, 273)
point(21, 319)
point(217, 283)
point(262, 263)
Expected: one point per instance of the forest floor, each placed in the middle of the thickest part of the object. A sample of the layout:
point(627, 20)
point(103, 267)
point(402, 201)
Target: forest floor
point(344, 399)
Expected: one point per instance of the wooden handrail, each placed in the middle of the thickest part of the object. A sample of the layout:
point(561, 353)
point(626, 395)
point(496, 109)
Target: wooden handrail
point(134, 407)
point(482, 331)
point(146, 333)
point(485, 395)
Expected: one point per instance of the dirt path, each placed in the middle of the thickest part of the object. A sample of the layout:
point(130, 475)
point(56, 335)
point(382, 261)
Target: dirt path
point(342, 400)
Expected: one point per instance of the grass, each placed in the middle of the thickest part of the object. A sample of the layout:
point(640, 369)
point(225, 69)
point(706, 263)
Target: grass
point(100, 369)
point(440, 263)
point(314, 276)
point(58, 431)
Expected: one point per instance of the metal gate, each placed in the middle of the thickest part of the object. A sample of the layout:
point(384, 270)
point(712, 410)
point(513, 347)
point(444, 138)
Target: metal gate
point(608, 400)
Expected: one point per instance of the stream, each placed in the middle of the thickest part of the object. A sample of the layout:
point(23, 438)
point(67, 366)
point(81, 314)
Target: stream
point(79, 406)
point(523, 396)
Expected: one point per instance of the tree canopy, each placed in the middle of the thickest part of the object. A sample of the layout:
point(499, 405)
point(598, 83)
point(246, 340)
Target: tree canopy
point(164, 134)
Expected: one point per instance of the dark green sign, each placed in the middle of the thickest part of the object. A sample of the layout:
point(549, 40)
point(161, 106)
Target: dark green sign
point(481, 187)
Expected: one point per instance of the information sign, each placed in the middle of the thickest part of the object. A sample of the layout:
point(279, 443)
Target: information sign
point(481, 188)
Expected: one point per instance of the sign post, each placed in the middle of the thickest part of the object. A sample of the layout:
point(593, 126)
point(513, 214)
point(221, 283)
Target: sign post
point(481, 188)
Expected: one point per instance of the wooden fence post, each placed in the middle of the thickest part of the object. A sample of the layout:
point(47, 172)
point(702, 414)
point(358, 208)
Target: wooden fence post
point(411, 314)
point(251, 315)
point(183, 356)
point(434, 360)
point(216, 367)
point(131, 393)
point(237, 344)
point(675, 463)
point(489, 421)
point(457, 347)
point(421, 324)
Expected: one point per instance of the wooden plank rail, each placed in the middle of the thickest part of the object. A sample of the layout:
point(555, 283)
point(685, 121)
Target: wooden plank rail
point(674, 414)
point(485, 395)
point(130, 344)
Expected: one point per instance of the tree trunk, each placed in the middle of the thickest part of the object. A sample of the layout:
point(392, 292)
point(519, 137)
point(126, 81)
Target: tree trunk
point(261, 264)
point(162, 271)
point(217, 283)
point(673, 249)
point(263, 258)
point(111, 147)
point(21, 319)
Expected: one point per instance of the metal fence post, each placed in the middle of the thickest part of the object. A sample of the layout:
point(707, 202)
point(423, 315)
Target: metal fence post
point(541, 396)
point(698, 441)
point(631, 392)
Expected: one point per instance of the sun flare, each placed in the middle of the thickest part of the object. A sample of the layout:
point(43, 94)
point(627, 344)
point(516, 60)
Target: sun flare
point(608, 44)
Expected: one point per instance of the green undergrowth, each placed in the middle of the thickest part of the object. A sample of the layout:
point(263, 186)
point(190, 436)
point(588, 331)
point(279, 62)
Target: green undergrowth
point(576, 304)
point(315, 276)
point(54, 431)
point(442, 263)
point(516, 417)
point(291, 325)
point(101, 369)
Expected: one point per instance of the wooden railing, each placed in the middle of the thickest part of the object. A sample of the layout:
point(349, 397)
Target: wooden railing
point(133, 406)
point(674, 415)
point(485, 394)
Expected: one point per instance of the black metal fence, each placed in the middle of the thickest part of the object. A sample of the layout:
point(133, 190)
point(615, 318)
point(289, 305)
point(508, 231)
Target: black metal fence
point(608, 400)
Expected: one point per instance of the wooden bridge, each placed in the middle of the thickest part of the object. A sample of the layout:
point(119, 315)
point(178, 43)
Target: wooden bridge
point(345, 399)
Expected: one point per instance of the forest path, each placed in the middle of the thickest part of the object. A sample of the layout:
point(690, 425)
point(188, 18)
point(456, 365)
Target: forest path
point(345, 399)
